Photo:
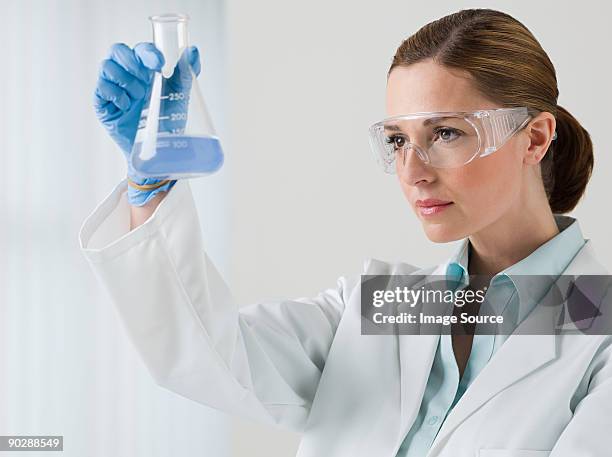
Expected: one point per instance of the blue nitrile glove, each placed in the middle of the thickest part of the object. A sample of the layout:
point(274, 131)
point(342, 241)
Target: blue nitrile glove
point(122, 91)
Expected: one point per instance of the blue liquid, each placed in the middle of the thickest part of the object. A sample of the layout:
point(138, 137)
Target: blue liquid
point(180, 156)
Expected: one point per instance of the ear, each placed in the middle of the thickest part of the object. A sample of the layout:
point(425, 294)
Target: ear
point(540, 132)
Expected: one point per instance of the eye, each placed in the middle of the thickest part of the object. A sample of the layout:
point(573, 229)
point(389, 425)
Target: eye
point(394, 140)
point(447, 134)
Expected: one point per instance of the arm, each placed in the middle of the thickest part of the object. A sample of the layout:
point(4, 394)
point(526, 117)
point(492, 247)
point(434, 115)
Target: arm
point(139, 214)
point(588, 433)
point(263, 361)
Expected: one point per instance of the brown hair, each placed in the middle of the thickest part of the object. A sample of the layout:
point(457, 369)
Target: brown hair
point(510, 68)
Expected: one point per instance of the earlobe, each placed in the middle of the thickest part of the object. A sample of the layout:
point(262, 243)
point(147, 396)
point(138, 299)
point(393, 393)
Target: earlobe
point(532, 159)
point(535, 154)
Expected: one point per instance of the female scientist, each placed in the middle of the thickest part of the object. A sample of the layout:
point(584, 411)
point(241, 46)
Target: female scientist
point(498, 168)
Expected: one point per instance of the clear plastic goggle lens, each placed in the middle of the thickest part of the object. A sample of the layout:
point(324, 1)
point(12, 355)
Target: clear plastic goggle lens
point(445, 139)
point(444, 142)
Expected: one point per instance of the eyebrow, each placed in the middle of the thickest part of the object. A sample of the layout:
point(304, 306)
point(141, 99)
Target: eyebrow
point(426, 122)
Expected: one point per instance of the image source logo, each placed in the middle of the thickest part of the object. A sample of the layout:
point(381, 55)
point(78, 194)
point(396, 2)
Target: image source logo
point(517, 304)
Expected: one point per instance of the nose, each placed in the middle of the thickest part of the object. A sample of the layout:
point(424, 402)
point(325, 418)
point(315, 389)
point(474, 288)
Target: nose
point(411, 166)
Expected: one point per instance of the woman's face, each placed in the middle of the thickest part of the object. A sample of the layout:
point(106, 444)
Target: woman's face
point(482, 191)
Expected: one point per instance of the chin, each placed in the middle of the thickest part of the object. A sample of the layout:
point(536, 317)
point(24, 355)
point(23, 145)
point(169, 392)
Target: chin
point(441, 232)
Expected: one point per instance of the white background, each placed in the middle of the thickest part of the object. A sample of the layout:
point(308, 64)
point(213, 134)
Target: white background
point(292, 87)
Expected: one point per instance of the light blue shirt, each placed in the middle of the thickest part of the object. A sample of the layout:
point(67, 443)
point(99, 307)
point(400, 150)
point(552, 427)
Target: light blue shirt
point(511, 296)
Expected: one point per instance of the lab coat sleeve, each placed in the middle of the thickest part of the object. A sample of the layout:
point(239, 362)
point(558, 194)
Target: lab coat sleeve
point(262, 361)
point(588, 432)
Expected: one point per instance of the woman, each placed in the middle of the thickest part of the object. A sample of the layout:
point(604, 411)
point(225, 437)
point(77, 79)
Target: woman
point(499, 172)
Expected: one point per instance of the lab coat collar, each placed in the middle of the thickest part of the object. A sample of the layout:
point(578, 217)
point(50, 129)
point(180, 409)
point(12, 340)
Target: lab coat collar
point(536, 273)
point(533, 275)
point(517, 357)
point(416, 359)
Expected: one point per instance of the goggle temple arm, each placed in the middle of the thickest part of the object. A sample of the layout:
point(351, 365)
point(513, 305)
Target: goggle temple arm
point(500, 125)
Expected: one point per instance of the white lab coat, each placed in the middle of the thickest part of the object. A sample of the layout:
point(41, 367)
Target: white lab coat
point(303, 365)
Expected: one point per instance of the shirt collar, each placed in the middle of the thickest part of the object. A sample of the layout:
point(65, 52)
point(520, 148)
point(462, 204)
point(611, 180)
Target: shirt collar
point(548, 261)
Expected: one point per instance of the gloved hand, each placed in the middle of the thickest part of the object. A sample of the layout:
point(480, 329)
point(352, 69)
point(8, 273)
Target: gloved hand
point(122, 91)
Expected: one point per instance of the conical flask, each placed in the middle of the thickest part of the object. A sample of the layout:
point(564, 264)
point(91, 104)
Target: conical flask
point(175, 137)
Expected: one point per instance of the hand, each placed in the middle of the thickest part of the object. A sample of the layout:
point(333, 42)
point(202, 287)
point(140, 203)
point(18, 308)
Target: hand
point(122, 91)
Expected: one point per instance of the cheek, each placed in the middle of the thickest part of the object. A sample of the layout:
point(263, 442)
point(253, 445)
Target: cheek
point(488, 186)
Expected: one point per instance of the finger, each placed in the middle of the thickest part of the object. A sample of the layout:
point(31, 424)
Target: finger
point(126, 58)
point(113, 72)
point(110, 92)
point(149, 56)
point(193, 56)
point(108, 112)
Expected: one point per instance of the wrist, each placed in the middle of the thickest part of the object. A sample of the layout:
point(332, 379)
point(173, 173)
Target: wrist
point(141, 190)
point(148, 186)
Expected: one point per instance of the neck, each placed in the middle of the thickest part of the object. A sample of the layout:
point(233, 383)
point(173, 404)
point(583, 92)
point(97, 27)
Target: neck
point(509, 240)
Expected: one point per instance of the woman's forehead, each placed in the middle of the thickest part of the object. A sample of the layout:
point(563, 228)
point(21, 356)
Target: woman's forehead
point(427, 86)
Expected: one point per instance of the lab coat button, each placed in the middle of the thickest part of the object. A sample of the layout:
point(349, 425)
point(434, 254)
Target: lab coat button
point(433, 420)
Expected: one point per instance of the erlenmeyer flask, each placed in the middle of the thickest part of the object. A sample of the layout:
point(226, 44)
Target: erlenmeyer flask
point(175, 137)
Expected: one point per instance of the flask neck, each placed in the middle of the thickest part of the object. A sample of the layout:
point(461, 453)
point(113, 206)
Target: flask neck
point(171, 38)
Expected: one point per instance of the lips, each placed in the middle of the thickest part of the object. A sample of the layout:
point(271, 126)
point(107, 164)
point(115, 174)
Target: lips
point(432, 202)
point(431, 207)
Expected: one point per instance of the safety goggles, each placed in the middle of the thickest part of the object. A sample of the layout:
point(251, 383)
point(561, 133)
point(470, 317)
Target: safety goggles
point(445, 139)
